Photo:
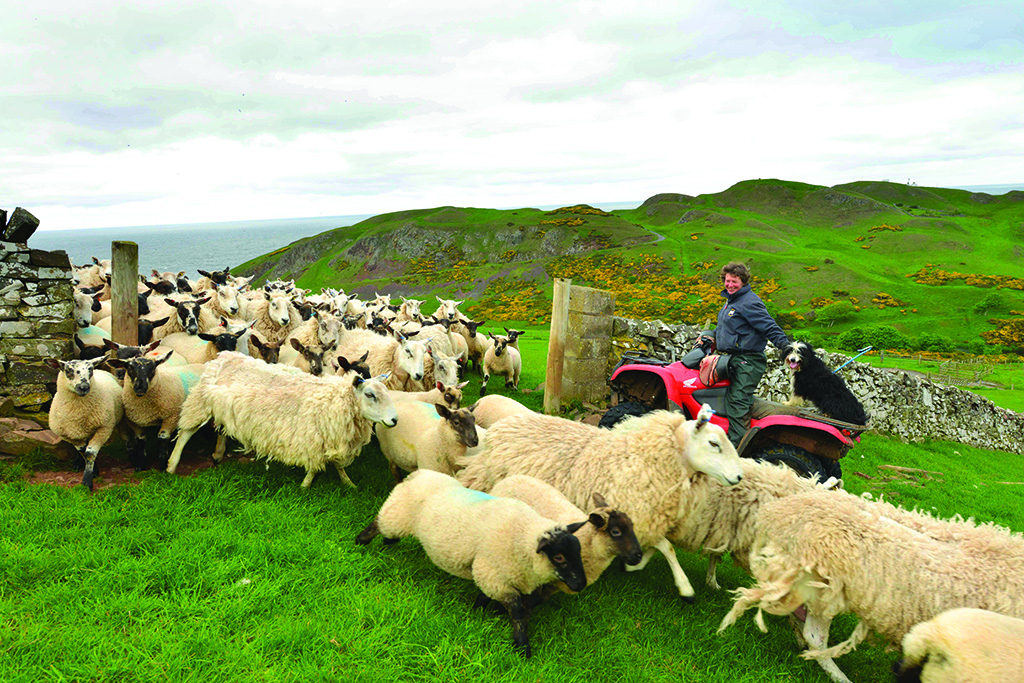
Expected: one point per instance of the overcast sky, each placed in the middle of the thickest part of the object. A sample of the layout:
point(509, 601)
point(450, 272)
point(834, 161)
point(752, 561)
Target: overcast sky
point(167, 111)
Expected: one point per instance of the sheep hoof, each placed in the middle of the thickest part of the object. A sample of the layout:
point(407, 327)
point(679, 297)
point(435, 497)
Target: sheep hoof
point(368, 534)
point(689, 599)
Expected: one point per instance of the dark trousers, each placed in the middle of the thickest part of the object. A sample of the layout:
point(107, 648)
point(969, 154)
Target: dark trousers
point(745, 371)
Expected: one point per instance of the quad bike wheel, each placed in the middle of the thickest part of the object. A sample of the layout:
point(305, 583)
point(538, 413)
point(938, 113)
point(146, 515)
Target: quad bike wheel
point(800, 461)
point(618, 413)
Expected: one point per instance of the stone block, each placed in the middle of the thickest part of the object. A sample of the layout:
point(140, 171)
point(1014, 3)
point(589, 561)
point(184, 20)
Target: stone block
point(16, 328)
point(56, 328)
point(587, 349)
point(8, 312)
point(21, 226)
point(29, 395)
point(591, 301)
point(61, 309)
point(26, 372)
point(21, 442)
point(36, 348)
point(51, 259)
point(585, 370)
point(27, 272)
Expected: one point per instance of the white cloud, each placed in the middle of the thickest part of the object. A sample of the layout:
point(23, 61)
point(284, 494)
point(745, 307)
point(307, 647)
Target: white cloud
point(170, 112)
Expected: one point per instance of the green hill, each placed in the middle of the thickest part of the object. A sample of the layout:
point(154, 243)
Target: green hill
point(921, 260)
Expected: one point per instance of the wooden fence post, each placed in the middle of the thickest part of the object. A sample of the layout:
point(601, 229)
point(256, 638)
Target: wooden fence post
point(124, 293)
point(556, 346)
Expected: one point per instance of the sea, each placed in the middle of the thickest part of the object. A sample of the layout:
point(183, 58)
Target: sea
point(192, 246)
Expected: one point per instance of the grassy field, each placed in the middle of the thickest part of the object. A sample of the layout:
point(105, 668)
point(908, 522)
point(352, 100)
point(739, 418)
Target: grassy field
point(235, 573)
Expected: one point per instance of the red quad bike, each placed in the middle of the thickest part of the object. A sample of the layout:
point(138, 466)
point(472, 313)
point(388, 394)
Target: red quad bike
point(806, 441)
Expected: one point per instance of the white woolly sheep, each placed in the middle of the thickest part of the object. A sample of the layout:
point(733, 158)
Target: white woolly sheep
point(85, 305)
point(477, 343)
point(409, 310)
point(964, 645)
point(402, 358)
point(188, 316)
point(153, 394)
point(86, 409)
point(448, 396)
point(274, 315)
point(428, 436)
point(291, 417)
point(502, 360)
point(323, 330)
point(836, 553)
point(642, 466)
point(447, 309)
point(502, 545)
point(609, 535)
point(223, 301)
point(439, 367)
point(489, 409)
point(203, 347)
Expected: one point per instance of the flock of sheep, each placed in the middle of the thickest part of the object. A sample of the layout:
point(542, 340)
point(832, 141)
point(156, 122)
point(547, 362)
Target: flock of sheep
point(522, 503)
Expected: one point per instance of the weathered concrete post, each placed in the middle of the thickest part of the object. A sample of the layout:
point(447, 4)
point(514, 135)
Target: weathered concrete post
point(124, 293)
point(556, 347)
point(588, 344)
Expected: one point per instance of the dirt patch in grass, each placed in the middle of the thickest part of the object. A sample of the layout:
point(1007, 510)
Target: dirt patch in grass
point(117, 473)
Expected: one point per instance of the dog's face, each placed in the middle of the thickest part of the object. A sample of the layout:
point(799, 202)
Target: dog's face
point(798, 351)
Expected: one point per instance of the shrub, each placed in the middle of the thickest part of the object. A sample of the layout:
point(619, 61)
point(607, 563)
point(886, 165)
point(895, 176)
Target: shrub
point(931, 341)
point(833, 313)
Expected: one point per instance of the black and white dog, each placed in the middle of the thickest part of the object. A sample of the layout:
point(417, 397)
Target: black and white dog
point(813, 381)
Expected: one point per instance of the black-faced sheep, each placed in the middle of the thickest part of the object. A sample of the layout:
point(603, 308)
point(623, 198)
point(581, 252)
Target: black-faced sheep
point(427, 437)
point(501, 544)
point(642, 467)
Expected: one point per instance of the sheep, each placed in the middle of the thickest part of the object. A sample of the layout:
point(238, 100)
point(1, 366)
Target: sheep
point(609, 535)
point(223, 302)
point(439, 367)
point(145, 328)
point(427, 436)
point(152, 396)
point(501, 544)
point(490, 409)
point(86, 409)
point(501, 359)
point(324, 331)
point(204, 346)
point(208, 280)
point(448, 396)
point(460, 348)
point(448, 309)
point(268, 352)
point(719, 519)
point(274, 317)
point(309, 358)
point(89, 342)
point(834, 553)
point(477, 343)
point(513, 337)
point(402, 358)
point(964, 645)
point(189, 316)
point(294, 418)
point(85, 305)
point(642, 466)
point(409, 310)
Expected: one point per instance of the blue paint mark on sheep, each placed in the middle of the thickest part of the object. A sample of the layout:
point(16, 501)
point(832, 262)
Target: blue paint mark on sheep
point(188, 380)
point(473, 496)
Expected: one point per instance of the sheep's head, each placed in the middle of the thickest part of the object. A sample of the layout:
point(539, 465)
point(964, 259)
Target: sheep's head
point(446, 368)
point(617, 527)
point(447, 310)
point(278, 309)
point(227, 298)
point(451, 396)
point(499, 344)
point(563, 551)
point(270, 352)
point(342, 365)
point(707, 449)
point(188, 313)
point(328, 330)
point(83, 308)
point(375, 402)
point(140, 370)
point(78, 373)
point(462, 422)
point(314, 355)
point(410, 357)
point(224, 339)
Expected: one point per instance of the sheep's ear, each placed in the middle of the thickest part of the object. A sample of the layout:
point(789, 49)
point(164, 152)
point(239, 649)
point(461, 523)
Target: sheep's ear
point(161, 321)
point(439, 386)
point(95, 260)
point(460, 386)
point(442, 410)
point(364, 357)
point(575, 526)
point(599, 501)
point(53, 362)
point(117, 363)
point(704, 416)
point(96, 306)
point(358, 380)
point(171, 302)
point(152, 345)
point(207, 337)
point(97, 361)
point(203, 300)
point(266, 294)
point(296, 344)
point(597, 520)
point(110, 345)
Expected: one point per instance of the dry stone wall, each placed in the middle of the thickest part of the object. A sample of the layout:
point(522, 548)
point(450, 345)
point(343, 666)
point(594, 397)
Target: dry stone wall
point(36, 323)
point(906, 406)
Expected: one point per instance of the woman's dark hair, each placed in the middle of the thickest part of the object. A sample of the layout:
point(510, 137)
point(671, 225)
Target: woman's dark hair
point(737, 269)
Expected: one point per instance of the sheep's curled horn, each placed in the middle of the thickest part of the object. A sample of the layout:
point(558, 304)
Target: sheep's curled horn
point(704, 416)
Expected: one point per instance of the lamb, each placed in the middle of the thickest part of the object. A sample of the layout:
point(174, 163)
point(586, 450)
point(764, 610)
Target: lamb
point(322, 331)
point(448, 396)
point(501, 359)
point(964, 645)
point(204, 346)
point(642, 466)
point(837, 553)
point(402, 358)
point(422, 441)
point(86, 409)
point(489, 409)
point(609, 535)
point(309, 358)
point(153, 394)
point(477, 343)
point(502, 545)
point(291, 417)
